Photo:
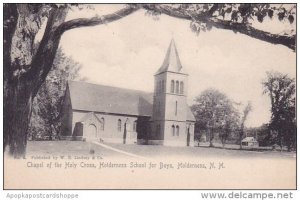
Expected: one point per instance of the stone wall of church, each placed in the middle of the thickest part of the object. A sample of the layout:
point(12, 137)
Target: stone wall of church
point(176, 133)
point(171, 133)
point(175, 100)
point(111, 128)
point(159, 97)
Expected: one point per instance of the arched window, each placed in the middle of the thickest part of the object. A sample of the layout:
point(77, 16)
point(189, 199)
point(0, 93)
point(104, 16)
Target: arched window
point(119, 125)
point(176, 108)
point(181, 87)
point(173, 130)
point(177, 87)
point(177, 130)
point(172, 86)
point(103, 123)
point(134, 125)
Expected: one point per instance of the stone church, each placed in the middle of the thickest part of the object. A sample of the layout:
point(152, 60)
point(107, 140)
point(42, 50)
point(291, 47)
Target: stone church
point(118, 115)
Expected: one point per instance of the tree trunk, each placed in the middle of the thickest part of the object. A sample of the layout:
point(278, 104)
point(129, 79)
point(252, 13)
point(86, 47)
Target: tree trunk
point(211, 137)
point(241, 138)
point(281, 143)
point(289, 142)
point(17, 112)
point(241, 134)
point(289, 149)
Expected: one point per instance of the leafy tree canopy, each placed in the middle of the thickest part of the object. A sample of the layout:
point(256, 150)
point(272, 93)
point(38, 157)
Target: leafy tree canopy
point(213, 111)
point(236, 17)
point(281, 90)
point(46, 109)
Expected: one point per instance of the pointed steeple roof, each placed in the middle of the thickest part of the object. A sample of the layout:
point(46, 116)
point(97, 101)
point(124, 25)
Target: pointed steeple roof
point(171, 62)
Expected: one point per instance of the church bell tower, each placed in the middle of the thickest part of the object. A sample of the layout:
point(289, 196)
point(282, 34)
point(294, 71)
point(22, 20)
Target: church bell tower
point(169, 118)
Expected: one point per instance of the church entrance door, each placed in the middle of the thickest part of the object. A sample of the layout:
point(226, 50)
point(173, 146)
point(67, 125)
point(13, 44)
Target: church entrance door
point(91, 132)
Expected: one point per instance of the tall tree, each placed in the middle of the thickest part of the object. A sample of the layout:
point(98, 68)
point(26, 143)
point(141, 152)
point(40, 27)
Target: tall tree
point(47, 104)
point(281, 90)
point(246, 112)
point(25, 70)
point(230, 126)
point(214, 111)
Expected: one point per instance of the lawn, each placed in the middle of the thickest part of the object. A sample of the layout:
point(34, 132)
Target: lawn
point(67, 148)
point(82, 148)
point(198, 152)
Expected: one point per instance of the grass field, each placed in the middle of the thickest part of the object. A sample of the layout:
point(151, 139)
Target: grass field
point(67, 148)
point(83, 148)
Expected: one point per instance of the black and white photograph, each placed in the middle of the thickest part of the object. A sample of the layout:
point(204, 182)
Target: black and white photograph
point(149, 96)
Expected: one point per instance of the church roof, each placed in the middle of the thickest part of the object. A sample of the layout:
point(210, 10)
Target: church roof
point(100, 98)
point(171, 62)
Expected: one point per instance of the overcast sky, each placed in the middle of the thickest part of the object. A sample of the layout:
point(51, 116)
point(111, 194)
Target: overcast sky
point(126, 53)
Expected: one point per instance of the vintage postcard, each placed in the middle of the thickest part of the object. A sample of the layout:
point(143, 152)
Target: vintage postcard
point(149, 96)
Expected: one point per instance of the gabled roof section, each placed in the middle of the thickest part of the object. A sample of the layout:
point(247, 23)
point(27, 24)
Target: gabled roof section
point(89, 116)
point(99, 98)
point(171, 62)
